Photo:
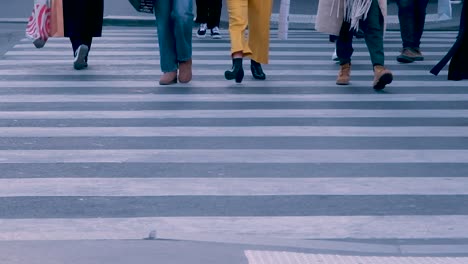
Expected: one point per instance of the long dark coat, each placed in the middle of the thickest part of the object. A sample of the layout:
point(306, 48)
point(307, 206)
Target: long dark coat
point(83, 18)
point(458, 53)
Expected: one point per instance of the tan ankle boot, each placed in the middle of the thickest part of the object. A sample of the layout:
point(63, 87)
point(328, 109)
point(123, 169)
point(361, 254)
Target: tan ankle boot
point(168, 78)
point(344, 74)
point(382, 77)
point(185, 71)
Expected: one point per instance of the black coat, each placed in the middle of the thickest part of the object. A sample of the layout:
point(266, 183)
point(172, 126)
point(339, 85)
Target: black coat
point(83, 18)
point(458, 54)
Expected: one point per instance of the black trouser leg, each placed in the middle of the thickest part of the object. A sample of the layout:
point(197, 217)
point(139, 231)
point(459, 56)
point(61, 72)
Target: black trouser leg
point(202, 11)
point(406, 10)
point(420, 20)
point(344, 44)
point(77, 42)
point(214, 13)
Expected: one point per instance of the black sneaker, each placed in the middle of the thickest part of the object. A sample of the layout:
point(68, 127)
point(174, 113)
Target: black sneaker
point(201, 33)
point(215, 33)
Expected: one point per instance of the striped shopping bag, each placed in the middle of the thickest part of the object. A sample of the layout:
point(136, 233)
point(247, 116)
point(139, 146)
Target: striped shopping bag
point(38, 27)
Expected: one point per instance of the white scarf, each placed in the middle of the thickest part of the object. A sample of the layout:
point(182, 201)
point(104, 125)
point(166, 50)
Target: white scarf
point(356, 10)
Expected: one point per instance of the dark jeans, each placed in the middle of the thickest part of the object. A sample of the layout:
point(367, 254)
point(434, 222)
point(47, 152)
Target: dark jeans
point(373, 28)
point(209, 11)
point(76, 42)
point(412, 16)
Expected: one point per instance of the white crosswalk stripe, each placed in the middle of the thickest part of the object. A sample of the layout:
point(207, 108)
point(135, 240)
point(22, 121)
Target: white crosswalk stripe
point(293, 157)
point(274, 257)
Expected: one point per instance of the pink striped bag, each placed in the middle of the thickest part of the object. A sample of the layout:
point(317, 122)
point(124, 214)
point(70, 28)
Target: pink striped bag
point(38, 29)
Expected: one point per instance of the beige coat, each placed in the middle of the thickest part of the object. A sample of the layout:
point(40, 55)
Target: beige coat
point(330, 16)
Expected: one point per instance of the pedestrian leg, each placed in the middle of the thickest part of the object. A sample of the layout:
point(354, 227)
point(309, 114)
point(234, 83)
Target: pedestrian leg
point(238, 16)
point(167, 42)
point(420, 21)
point(344, 51)
point(182, 16)
point(259, 35)
point(214, 18)
point(203, 7)
point(373, 28)
point(410, 22)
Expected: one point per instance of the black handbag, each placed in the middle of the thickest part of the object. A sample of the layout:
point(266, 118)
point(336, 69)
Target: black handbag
point(144, 6)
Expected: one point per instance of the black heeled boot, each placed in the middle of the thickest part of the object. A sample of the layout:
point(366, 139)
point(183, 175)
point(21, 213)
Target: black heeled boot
point(237, 71)
point(257, 71)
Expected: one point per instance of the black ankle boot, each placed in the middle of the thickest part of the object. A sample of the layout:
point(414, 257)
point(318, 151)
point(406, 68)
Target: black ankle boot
point(257, 71)
point(237, 72)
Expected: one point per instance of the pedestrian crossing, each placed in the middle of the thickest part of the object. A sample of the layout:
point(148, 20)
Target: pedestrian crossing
point(107, 153)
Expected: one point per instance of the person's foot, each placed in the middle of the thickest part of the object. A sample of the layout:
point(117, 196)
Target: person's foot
point(344, 74)
point(185, 71)
point(39, 43)
point(382, 77)
point(257, 71)
point(215, 33)
point(237, 71)
point(409, 55)
point(80, 61)
point(168, 78)
point(201, 33)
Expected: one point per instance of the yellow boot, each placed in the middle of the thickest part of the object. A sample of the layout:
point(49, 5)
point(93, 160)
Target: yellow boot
point(382, 77)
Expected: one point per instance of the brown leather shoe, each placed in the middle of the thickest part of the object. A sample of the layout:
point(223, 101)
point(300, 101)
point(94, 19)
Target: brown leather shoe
point(168, 78)
point(382, 77)
point(409, 55)
point(344, 74)
point(185, 71)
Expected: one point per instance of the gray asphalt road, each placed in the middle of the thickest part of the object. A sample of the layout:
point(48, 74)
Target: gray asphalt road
point(292, 160)
point(10, 34)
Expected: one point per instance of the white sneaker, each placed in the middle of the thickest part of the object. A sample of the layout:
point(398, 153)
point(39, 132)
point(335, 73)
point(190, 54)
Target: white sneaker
point(81, 53)
point(201, 33)
point(335, 56)
point(215, 33)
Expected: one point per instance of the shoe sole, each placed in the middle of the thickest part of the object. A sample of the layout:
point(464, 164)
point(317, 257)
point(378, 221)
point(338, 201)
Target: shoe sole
point(229, 76)
point(409, 60)
point(169, 83)
point(201, 36)
point(216, 37)
point(383, 81)
point(80, 61)
point(405, 59)
point(342, 83)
